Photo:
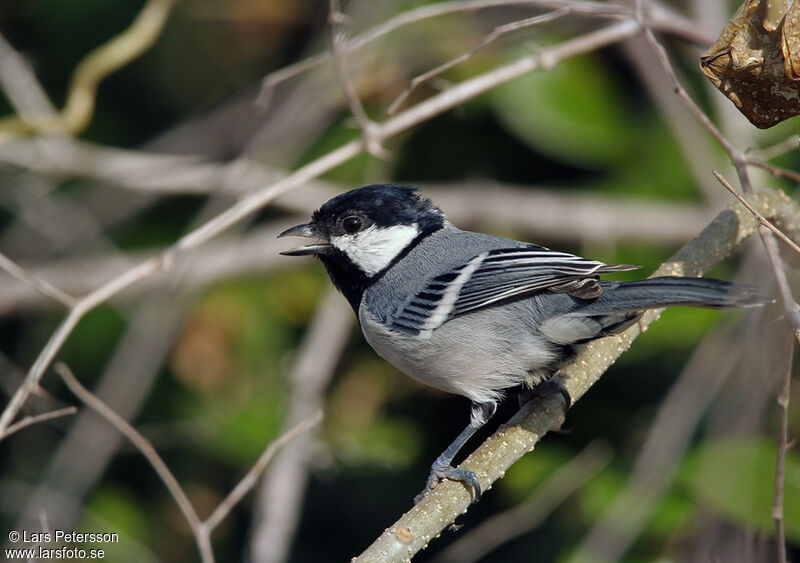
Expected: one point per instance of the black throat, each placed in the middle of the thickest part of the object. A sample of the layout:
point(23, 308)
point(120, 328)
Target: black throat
point(351, 280)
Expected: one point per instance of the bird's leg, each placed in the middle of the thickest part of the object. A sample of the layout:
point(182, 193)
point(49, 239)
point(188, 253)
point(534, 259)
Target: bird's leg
point(442, 468)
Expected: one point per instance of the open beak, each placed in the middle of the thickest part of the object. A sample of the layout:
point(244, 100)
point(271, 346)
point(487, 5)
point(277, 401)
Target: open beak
point(305, 231)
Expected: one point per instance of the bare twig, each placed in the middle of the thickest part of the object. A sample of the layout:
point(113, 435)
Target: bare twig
point(496, 33)
point(761, 219)
point(373, 146)
point(741, 160)
point(31, 280)
point(516, 521)
point(595, 217)
point(780, 466)
point(789, 304)
point(250, 480)
point(789, 144)
point(696, 150)
point(776, 171)
point(738, 157)
point(421, 14)
point(148, 451)
point(30, 420)
point(124, 384)
point(201, 529)
point(280, 498)
point(226, 257)
point(468, 204)
point(97, 65)
point(20, 84)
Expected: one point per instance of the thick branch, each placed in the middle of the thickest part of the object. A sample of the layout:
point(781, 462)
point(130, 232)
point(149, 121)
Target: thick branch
point(415, 529)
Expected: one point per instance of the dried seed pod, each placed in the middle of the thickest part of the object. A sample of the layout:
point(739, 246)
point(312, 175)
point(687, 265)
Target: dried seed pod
point(757, 64)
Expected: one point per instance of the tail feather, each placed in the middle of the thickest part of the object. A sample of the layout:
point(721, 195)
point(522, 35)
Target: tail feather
point(621, 303)
point(668, 291)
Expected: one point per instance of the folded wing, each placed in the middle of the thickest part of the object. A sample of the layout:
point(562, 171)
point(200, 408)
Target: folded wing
point(499, 275)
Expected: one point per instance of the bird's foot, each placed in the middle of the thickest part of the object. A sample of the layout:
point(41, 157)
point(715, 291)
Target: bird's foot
point(440, 472)
point(552, 385)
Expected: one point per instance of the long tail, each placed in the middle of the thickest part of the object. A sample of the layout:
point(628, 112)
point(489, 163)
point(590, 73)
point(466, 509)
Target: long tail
point(661, 292)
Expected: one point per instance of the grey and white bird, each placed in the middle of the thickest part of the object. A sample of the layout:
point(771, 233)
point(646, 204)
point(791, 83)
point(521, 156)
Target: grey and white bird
point(475, 314)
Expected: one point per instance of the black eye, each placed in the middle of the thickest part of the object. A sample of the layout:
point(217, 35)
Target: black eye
point(351, 224)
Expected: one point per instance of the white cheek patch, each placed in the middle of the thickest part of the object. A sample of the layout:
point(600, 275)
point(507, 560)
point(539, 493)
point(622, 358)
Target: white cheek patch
point(374, 248)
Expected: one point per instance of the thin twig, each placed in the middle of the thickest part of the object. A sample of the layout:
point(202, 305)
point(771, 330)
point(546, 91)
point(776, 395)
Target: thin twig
point(30, 420)
point(201, 529)
point(595, 217)
point(761, 219)
point(780, 465)
point(790, 308)
point(31, 280)
point(421, 14)
point(19, 83)
point(776, 171)
point(789, 144)
point(96, 66)
point(280, 498)
point(148, 451)
point(738, 157)
point(124, 384)
point(250, 480)
point(373, 146)
point(696, 150)
point(496, 33)
point(793, 320)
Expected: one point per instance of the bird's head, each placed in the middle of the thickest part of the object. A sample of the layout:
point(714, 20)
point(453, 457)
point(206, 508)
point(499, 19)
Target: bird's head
point(369, 227)
point(361, 233)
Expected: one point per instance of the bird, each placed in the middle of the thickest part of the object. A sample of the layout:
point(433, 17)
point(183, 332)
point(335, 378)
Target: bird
point(474, 314)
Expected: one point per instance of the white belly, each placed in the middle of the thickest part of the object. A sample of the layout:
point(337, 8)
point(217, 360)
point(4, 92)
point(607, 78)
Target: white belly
point(502, 356)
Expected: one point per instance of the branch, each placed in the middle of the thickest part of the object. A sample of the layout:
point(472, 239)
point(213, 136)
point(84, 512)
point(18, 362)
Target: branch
point(428, 518)
point(789, 144)
point(106, 59)
point(201, 529)
point(761, 218)
point(780, 465)
point(421, 14)
point(250, 480)
point(124, 383)
point(496, 33)
point(280, 499)
point(35, 282)
point(765, 231)
point(31, 420)
point(467, 202)
point(147, 450)
point(373, 146)
point(24, 92)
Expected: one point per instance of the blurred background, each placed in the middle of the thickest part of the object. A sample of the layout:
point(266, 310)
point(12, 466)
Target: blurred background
point(234, 344)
